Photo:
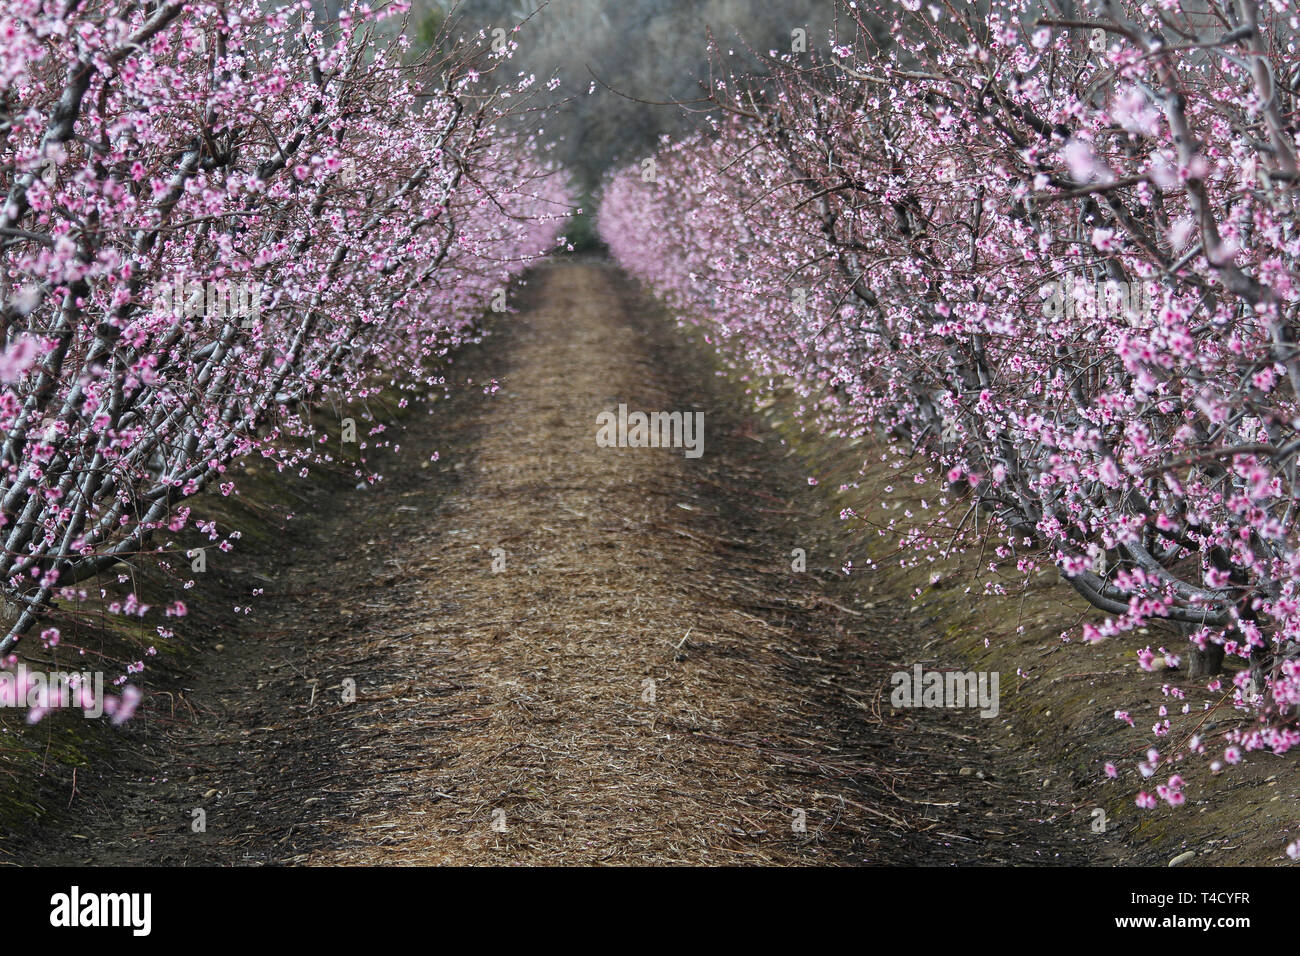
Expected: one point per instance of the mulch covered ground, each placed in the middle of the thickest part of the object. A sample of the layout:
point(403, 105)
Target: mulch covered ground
point(645, 682)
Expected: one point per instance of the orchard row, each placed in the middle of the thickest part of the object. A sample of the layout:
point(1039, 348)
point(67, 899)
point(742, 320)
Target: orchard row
point(917, 228)
point(215, 218)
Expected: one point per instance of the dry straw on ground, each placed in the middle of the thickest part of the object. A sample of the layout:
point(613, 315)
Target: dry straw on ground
point(508, 717)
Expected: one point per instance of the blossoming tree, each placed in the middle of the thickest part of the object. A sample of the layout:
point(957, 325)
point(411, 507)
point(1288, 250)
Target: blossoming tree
point(1056, 257)
point(213, 214)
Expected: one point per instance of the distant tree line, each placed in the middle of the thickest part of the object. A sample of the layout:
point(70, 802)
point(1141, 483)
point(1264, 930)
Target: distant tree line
point(655, 50)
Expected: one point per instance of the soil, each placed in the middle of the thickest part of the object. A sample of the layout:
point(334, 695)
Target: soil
point(563, 654)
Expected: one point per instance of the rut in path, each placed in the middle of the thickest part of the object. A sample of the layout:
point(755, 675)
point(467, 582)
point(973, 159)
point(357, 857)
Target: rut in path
point(508, 717)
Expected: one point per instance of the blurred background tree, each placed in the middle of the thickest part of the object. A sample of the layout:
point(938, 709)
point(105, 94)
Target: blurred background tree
point(645, 49)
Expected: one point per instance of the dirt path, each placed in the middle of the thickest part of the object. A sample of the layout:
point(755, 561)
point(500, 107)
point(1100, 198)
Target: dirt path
point(646, 681)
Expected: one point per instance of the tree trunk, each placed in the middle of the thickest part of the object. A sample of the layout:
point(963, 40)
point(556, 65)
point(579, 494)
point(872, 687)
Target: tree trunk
point(1205, 663)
